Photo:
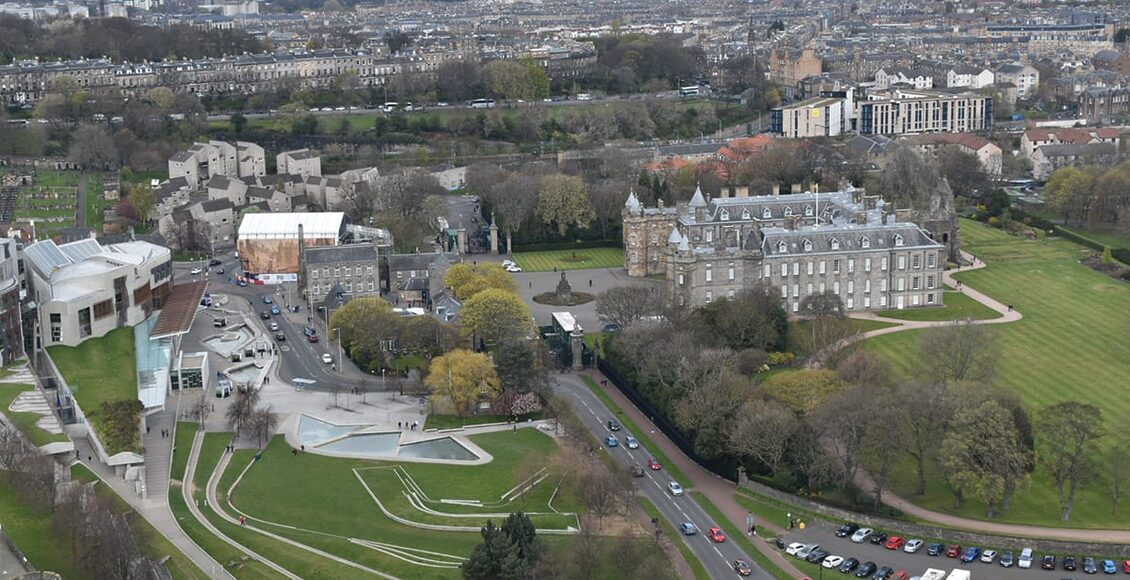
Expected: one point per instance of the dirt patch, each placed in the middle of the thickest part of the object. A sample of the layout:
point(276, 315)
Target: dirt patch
point(575, 298)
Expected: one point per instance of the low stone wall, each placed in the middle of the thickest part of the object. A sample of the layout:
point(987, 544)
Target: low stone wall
point(962, 537)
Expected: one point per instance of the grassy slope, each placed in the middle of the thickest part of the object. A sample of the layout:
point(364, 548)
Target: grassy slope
point(585, 259)
point(100, 370)
point(1071, 345)
point(25, 422)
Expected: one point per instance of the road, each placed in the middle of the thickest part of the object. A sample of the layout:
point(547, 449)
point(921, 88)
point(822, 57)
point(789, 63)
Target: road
point(716, 558)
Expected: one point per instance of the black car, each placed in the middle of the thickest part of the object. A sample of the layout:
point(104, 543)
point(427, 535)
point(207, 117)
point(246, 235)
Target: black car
point(1048, 563)
point(846, 530)
point(220, 271)
point(878, 538)
point(280, 336)
point(1007, 559)
point(265, 315)
point(1069, 563)
point(935, 549)
point(613, 425)
point(214, 262)
point(883, 573)
point(817, 556)
point(849, 566)
point(1089, 565)
point(866, 570)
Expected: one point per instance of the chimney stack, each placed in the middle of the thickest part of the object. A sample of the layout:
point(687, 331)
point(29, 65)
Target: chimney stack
point(776, 189)
point(796, 188)
point(861, 218)
point(741, 191)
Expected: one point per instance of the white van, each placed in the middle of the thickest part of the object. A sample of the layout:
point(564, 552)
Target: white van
point(584, 97)
point(1025, 560)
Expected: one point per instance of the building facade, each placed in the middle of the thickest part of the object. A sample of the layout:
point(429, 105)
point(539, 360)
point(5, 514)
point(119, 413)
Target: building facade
point(11, 288)
point(845, 243)
point(352, 267)
point(922, 112)
point(816, 117)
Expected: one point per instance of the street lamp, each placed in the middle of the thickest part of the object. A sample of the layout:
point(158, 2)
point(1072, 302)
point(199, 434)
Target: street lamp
point(340, 361)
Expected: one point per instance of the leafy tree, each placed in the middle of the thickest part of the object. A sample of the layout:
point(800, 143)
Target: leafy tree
point(563, 201)
point(1069, 433)
point(238, 123)
point(960, 351)
point(1071, 192)
point(466, 280)
point(466, 378)
point(428, 336)
point(522, 365)
point(143, 200)
point(803, 391)
point(496, 315)
point(982, 454)
point(509, 552)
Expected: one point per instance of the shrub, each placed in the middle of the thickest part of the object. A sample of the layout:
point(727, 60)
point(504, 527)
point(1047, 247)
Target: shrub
point(780, 358)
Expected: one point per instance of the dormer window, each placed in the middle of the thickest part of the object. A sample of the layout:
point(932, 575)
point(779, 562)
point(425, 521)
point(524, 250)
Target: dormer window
point(808, 245)
point(898, 240)
point(766, 213)
point(788, 210)
point(782, 247)
point(835, 244)
point(808, 211)
point(745, 214)
point(865, 242)
point(725, 216)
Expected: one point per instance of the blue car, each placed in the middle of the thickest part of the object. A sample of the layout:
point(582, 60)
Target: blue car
point(275, 310)
point(1109, 567)
point(267, 300)
point(971, 554)
point(611, 441)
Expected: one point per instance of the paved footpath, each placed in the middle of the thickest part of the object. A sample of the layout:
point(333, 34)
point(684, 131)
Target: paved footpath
point(719, 491)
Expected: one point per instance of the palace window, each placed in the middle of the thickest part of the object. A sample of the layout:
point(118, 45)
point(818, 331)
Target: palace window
point(808, 245)
point(766, 213)
point(865, 242)
point(898, 240)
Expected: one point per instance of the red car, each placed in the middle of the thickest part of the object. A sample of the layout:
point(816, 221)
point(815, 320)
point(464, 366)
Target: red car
point(953, 551)
point(653, 464)
point(715, 534)
point(895, 542)
point(1126, 566)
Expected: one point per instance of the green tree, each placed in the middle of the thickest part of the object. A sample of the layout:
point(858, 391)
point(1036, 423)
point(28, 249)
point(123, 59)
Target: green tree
point(537, 81)
point(1069, 433)
point(366, 325)
point(982, 454)
point(238, 123)
point(522, 365)
point(1071, 192)
point(803, 390)
point(162, 98)
point(564, 201)
point(509, 552)
point(465, 378)
point(466, 280)
point(496, 315)
point(143, 199)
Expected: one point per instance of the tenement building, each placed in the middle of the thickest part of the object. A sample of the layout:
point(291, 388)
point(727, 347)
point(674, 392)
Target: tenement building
point(845, 242)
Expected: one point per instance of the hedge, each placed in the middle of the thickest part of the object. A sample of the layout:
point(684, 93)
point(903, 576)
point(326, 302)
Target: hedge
point(567, 246)
point(1120, 254)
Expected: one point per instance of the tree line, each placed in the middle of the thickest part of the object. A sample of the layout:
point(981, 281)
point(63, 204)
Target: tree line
point(1091, 195)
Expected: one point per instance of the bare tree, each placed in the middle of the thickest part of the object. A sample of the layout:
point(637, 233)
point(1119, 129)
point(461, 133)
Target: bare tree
point(961, 351)
point(239, 412)
point(202, 407)
point(827, 325)
point(927, 410)
point(600, 491)
point(1118, 473)
point(1069, 432)
point(623, 305)
point(263, 422)
point(762, 430)
point(864, 367)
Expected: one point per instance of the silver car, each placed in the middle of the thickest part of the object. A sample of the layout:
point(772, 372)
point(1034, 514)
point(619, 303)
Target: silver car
point(861, 535)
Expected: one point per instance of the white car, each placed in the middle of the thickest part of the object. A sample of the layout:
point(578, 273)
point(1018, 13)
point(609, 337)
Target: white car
point(793, 548)
point(912, 546)
point(631, 442)
point(988, 556)
point(326, 358)
point(513, 268)
point(861, 535)
point(832, 561)
point(675, 488)
point(195, 271)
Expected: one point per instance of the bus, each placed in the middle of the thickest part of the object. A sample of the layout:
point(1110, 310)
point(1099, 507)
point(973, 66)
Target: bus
point(390, 106)
point(481, 103)
point(689, 91)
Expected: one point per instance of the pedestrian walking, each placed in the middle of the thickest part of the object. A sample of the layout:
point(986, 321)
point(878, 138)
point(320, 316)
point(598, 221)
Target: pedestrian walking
point(243, 520)
point(531, 285)
point(590, 282)
point(398, 425)
point(147, 429)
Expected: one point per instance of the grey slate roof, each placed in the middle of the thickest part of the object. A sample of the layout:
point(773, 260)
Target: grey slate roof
point(881, 237)
point(216, 205)
point(339, 254)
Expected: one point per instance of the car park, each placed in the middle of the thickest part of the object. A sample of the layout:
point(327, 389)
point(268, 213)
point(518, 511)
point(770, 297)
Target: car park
point(1007, 559)
point(935, 549)
point(675, 488)
point(613, 425)
point(971, 553)
point(833, 561)
point(866, 569)
point(883, 573)
point(326, 358)
point(742, 568)
point(1089, 566)
point(612, 441)
point(862, 535)
point(1069, 563)
point(988, 556)
point(849, 566)
point(895, 543)
point(1048, 562)
point(1025, 560)
point(653, 465)
point(846, 530)
point(878, 538)
point(793, 548)
point(715, 534)
point(631, 442)
point(687, 529)
point(912, 546)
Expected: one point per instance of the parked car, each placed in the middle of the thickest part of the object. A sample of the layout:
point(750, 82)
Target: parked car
point(793, 548)
point(1006, 560)
point(866, 569)
point(849, 566)
point(803, 553)
point(742, 568)
point(687, 529)
point(653, 465)
point(675, 488)
point(883, 573)
point(971, 554)
point(1109, 567)
point(631, 442)
point(219, 322)
point(988, 556)
point(613, 425)
point(1025, 560)
point(878, 538)
point(817, 556)
point(833, 562)
point(610, 328)
point(953, 551)
point(1126, 566)
point(901, 575)
point(846, 530)
point(912, 546)
point(715, 534)
point(1048, 563)
point(612, 441)
point(935, 549)
point(1089, 566)
point(862, 535)
point(1069, 563)
point(895, 543)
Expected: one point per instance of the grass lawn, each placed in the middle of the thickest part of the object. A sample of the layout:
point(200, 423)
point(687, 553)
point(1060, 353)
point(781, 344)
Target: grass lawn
point(57, 178)
point(958, 306)
point(30, 529)
point(585, 259)
point(453, 421)
point(799, 327)
point(100, 370)
point(1071, 345)
point(25, 422)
